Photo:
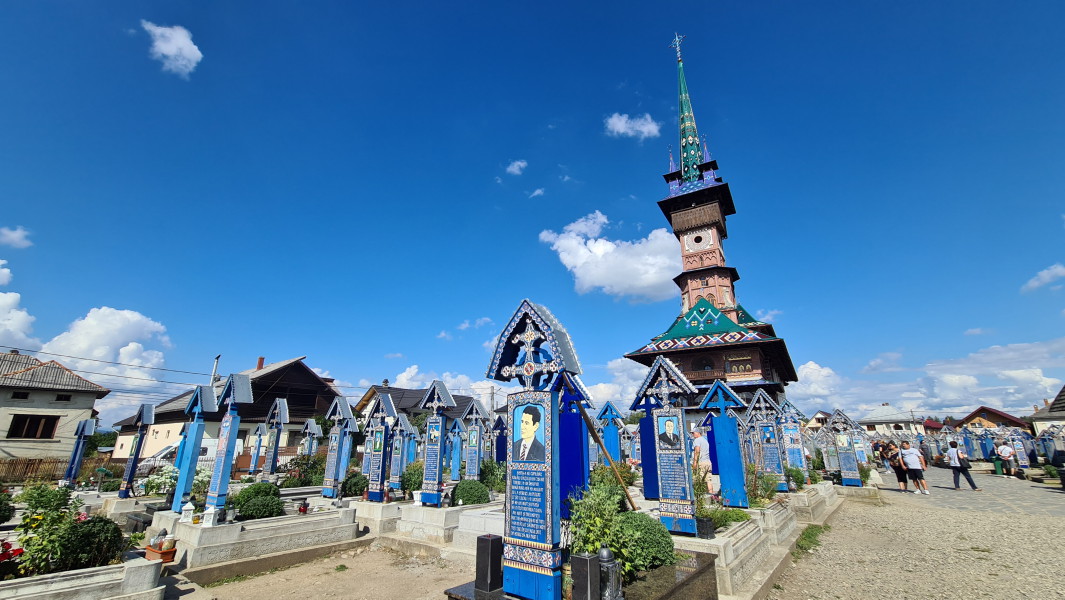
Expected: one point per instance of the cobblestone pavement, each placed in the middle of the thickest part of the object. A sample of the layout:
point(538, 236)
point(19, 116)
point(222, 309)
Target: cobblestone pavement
point(999, 493)
point(1003, 542)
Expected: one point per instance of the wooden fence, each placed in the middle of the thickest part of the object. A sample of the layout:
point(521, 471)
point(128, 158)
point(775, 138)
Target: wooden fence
point(21, 470)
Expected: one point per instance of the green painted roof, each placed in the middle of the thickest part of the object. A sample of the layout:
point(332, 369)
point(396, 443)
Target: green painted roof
point(691, 153)
point(701, 319)
point(745, 317)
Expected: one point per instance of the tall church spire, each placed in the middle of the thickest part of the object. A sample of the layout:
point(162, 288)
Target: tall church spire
point(691, 153)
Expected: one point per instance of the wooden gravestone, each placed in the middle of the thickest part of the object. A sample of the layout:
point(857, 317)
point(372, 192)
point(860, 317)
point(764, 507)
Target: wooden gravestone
point(436, 399)
point(237, 390)
point(573, 439)
point(475, 417)
point(379, 415)
point(790, 426)
point(311, 432)
point(338, 453)
point(842, 429)
point(260, 434)
point(401, 450)
point(82, 433)
point(501, 447)
point(535, 349)
point(610, 421)
point(276, 420)
point(664, 385)
point(145, 417)
point(762, 416)
point(722, 432)
point(203, 401)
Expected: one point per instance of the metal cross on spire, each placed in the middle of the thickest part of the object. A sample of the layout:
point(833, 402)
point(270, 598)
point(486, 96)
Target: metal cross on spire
point(677, 39)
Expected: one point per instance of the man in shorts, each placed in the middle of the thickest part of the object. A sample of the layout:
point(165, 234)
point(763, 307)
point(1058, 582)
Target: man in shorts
point(914, 463)
point(1006, 453)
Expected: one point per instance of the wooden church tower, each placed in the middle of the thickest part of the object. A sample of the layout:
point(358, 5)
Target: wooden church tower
point(714, 338)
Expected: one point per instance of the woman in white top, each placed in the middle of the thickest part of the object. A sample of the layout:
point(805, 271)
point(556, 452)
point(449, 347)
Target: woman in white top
point(954, 456)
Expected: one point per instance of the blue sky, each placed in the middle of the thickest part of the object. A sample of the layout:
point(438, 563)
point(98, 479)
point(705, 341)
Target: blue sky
point(378, 187)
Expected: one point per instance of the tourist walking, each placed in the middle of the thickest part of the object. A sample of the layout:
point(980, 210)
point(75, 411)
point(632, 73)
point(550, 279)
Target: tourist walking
point(915, 465)
point(701, 458)
point(894, 460)
point(884, 446)
point(955, 456)
point(1006, 453)
point(926, 451)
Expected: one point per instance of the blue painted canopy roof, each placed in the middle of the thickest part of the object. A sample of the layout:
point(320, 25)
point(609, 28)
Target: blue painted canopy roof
point(557, 341)
point(439, 393)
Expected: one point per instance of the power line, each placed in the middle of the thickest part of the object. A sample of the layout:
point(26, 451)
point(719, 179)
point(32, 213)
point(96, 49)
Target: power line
point(110, 362)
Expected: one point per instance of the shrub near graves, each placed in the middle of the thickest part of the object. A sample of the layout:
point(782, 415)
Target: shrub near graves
point(796, 476)
point(603, 474)
point(411, 481)
point(354, 485)
point(307, 469)
point(494, 475)
point(7, 509)
point(641, 543)
point(93, 542)
point(262, 507)
point(469, 492)
point(255, 490)
point(592, 517)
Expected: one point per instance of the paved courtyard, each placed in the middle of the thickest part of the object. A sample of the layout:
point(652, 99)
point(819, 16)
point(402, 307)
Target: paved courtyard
point(1003, 542)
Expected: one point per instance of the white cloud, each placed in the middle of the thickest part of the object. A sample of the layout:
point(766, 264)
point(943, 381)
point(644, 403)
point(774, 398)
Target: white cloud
point(537, 192)
point(482, 321)
point(625, 379)
point(886, 362)
point(394, 355)
point(641, 269)
point(564, 178)
point(621, 125)
point(173, 47)
point(490, 344)
point(443, 335)
point(5, 273)
point(767, 316)
point(1050, 274)
point(499, 179)
point(975, 331)
point(16, 323)
point(456, 383)
point(464, 325)
point(817, 385)
point(16, 238)
point(517, 167)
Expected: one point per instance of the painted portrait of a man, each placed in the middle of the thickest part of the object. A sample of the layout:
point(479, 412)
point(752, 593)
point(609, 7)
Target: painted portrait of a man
point(527, 422)
point(667, 433)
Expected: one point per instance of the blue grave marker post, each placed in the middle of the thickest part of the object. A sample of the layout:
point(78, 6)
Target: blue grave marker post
point(378, 445)
point(436, 399)
point(236, 391)
point(202, 401)
point(339, 453)
point(533, 348)
point(843, 428)
point(401, 451)
point(676, 499)
point(761, 418)
point(501, 446)
point(82, 433)
point(145, 417)
point(790, 428)
point(573, 439)
point(257, 449)
point(609, 417)
point(1016, 439)
point(276, 420)
point(311, 432)
point(722, 430)
point(475, 416)
point(663, 384)
point(455, 434)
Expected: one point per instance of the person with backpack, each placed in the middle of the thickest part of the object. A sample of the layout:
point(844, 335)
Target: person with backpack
point(1006, 452)
point(959, 463)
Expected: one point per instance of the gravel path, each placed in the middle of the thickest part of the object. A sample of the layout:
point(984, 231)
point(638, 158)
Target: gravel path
point(951, 544)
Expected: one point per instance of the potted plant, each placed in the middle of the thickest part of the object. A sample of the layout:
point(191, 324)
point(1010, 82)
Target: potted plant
point(704, 523)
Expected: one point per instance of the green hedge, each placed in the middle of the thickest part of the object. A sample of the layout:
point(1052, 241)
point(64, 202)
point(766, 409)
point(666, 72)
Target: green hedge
point(641, 543)
point(411, 481)
point(469, 492)
point(262, 507)
point(255, 490)
point(354, 485)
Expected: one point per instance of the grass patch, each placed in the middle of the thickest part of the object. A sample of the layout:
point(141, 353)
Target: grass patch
point(340, 568)
point(809, 539)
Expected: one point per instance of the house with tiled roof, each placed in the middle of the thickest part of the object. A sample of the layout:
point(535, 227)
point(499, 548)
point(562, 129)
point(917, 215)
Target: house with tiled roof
point(41, 403)
point(406, 400)
point(1052, 413)
point(887, 419)
point(985, 417)
point(307, 393)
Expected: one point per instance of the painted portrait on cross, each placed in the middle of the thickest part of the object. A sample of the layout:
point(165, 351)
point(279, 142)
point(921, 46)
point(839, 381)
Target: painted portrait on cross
point(668, 438)
point(528, 433)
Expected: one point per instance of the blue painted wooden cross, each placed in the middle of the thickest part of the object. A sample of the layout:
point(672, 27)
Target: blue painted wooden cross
point(722, 430)
point(339, 449)
point(311, 432)
point(82, 433)
point(145, 416)
point(276, 420)
point(380, 415)
point(257, 449)
point(610, 418)
point(236, 391)
point(436, 399)
point(202, 401)
point(476, 417)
